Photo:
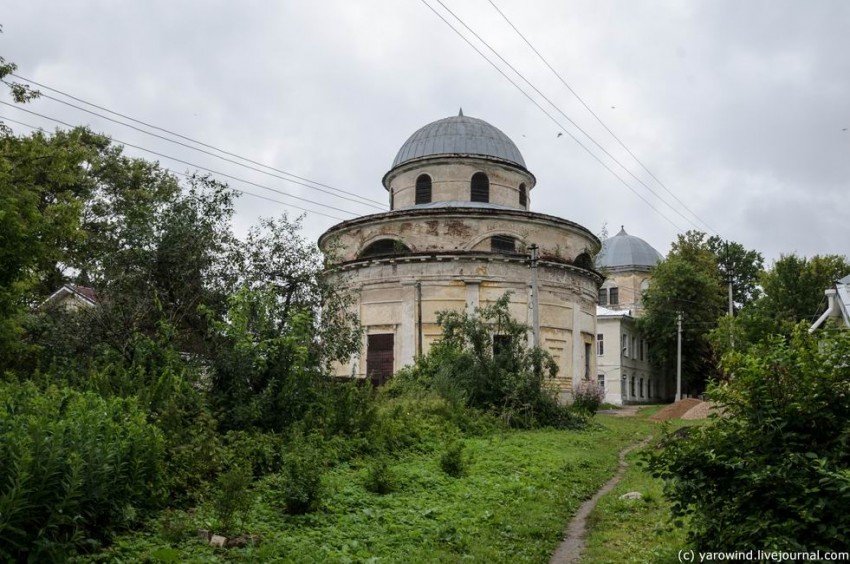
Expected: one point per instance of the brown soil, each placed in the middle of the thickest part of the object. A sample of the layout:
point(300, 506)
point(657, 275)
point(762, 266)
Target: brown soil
point(701, 411)
point(676, 410)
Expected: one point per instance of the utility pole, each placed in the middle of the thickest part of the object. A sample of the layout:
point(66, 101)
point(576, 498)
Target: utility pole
point(678, 355)
point(729, 278)
point(535, 301)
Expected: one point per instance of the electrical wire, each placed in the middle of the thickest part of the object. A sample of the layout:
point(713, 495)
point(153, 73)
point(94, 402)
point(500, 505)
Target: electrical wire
point(193, 166)
point(201, 143)
point(558, 109)
point(598, 119)
point(551, 117)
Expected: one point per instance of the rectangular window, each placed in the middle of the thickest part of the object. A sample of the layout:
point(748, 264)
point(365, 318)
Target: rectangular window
point(600, 344)
point(600, 379)
point(603, 297)
point(502, 244)
point(625, 345)
point(614, 296)
point(642, 347)
point(632, 387)
point(587, 349)
point(641, 387)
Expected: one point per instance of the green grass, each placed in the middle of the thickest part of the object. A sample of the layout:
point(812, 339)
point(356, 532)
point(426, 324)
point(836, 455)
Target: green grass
point(521, 490)
point(635, 530)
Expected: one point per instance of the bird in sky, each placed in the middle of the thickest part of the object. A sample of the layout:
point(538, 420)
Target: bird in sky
point(559, 134)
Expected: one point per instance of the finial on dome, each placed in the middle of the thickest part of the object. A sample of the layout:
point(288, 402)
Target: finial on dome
point(460, 113)
point(622, 231)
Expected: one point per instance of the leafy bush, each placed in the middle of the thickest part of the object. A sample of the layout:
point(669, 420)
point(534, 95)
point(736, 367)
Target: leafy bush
point(483, 361)
point(303, 468)
point(380, 477)
point(454, 461)
point(232, 496)
point(772, 471)
point(588, 396)
point(73, 468)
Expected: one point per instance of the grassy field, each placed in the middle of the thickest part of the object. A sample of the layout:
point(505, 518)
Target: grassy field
point(520, 491)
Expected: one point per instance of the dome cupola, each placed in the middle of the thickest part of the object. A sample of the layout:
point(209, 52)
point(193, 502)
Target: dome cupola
point(624, 252)
point(459, 135)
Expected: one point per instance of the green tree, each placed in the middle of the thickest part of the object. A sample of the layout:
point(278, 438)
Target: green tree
point(687, 281)
point(772, 471)
point(742, 265)
point(792, 291)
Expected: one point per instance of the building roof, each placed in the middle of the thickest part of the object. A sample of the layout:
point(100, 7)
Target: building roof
point(459, 135)
point(605, 312)
point(84, 294)
point(627, 252)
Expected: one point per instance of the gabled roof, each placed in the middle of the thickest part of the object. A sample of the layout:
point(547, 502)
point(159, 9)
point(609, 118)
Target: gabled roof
point(84, 294)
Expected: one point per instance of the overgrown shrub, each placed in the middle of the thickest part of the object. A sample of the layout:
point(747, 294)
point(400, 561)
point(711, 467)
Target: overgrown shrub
point(772, 471)
point(303, 468)
point(380, 476)
point(483, 361)
point(232, 496)
point(455, 461)
point(588, 396)
point(74, 467)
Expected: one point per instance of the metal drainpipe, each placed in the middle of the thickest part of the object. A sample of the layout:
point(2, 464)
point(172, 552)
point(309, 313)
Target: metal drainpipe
point(535, 300)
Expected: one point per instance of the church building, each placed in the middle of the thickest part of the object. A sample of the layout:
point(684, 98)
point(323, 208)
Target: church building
point(623, 367)
point(459, 234)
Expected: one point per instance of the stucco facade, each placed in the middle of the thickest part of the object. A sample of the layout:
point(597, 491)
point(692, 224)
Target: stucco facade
point(457, 237)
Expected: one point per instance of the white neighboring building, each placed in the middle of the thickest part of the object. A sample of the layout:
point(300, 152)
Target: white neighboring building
point(622, 353)
point(838, 306)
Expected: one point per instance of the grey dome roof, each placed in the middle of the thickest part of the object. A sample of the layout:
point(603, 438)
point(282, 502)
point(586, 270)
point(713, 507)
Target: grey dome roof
point(627, 252)
point(459, 135)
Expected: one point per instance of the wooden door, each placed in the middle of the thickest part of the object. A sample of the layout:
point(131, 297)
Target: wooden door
point(379, 357)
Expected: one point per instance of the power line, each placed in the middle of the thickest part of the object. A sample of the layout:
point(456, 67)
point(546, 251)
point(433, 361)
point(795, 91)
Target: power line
point(558, 109)
point(193, 165)
point(551, 117)
point(602, 123)
point(201, 143)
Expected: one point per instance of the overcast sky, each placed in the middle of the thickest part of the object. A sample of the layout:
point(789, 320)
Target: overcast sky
point(740, 108)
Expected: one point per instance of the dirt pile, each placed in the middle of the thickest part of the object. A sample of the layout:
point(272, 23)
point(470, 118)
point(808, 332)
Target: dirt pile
point(701, 411)
point(676, 410)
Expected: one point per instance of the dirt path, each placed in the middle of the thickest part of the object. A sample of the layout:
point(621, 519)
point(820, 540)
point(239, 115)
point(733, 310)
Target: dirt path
point(621, 411)
point(571, 548)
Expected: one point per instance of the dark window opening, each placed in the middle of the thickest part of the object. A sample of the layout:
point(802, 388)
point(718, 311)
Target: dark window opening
point(385, 248)
point(614, 296)
point(423, 189)
point(501, 345)
point(480, 187)
point(603, 297)
point(503, 244)
point(392, 203)
point(523, 196)
point(379, 358)
point(583, 261)
point(587, 349)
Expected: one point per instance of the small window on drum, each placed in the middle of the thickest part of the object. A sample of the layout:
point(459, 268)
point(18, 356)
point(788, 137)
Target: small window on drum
point(523, 196)
point(480, 188)
point(385, 248)
point(423, 189)
point(503, 244)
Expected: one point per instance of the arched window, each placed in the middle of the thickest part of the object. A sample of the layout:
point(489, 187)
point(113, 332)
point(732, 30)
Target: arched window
point(423, 189)
point(523, 196)
point(385, 248)
point(502, 244)
point(583, 260)
point(392, 203)
point(480, 187)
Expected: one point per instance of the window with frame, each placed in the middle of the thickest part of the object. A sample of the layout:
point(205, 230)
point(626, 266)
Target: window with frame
point(600, 380)
point(603, 297)
point(423, 189)
point(502, 244)
point(642, 347)
point(614, 296)
point(624, 343)
point(600, 344)
point(384, 248)
point(523, 196)
point(632, 387)
point(641, 387)
point(587, 349)
point(480, 188)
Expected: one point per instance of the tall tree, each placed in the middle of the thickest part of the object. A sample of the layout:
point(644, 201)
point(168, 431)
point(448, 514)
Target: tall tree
point(741, 265)
point(687, 281)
